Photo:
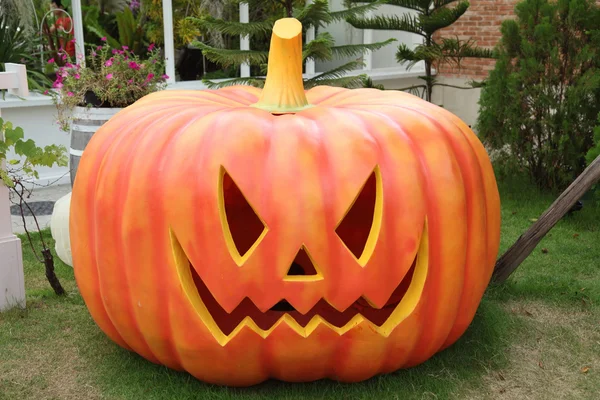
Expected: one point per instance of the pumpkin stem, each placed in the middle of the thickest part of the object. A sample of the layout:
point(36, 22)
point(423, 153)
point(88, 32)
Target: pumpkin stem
point(284, 89)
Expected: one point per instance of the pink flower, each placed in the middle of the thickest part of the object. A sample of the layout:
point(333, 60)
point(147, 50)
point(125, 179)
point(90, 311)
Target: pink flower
point(150, 76)
point(72, 40)
point(51, 61)
point(130, 81)
point(109, 62)
point(70, 94)
point(98, 48)
point(46, 92)
point(93, 53)
point(165, 76)
point(103, 38)
point(109, 76)
point(125, 47)
point(151, 47)
point(77, 76)
point(69, 65)
point(114, 51)
point(134, 65)
point(64, 57)
point(57, 85)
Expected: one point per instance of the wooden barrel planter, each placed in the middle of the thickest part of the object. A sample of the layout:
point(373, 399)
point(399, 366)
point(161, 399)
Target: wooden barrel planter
point(86, 121)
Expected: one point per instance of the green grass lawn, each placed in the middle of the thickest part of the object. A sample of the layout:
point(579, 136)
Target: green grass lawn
point(535, 337)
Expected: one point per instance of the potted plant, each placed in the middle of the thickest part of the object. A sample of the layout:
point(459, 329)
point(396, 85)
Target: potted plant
point(87, 97)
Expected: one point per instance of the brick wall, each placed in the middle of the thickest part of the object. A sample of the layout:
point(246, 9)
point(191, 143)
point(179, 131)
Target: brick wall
point(481, 23)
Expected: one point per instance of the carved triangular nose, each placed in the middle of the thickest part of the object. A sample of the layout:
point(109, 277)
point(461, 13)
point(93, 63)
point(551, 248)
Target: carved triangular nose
point(303, 268)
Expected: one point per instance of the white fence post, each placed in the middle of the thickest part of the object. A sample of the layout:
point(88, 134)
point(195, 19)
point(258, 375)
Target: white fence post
point(368, 39)
point(78, 32)
point(12, 283)
point(309, 65)
point(167, 8)
point(244, 39)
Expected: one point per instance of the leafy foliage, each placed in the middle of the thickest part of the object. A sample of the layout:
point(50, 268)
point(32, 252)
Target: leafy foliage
point(427, 17)
point(594, 152)
point(14, 176)
point(17, 47)
point(31, 156)
point(322, 48)
point(130, 29)
point(540, 103)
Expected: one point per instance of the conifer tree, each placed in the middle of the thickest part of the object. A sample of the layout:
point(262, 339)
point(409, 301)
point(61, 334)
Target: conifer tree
point(323, 48)
point(430, 17)
point(540, 104)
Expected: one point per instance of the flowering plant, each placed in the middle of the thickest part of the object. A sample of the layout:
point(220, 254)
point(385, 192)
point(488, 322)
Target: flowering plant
point(112, 78)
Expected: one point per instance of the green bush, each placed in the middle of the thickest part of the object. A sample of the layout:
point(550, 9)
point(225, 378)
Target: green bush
point(595, 150)
point(540, 103)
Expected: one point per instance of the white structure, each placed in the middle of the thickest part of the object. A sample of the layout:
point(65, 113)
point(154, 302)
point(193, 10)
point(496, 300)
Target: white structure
point(59, 227)
point(12, 284)
point(380, 65)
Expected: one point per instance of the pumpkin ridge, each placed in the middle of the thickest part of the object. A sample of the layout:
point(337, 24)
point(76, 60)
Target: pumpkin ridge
point(138, 126)
point(474, 185)
point(425, 169)
point(132, 326)
point(212, 96)
point(457, 331)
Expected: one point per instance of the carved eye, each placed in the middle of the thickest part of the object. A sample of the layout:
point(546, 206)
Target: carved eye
point(359, 228)
point(242, 226)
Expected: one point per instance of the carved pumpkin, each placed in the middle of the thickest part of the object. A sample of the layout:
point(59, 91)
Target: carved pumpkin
point(242, 234)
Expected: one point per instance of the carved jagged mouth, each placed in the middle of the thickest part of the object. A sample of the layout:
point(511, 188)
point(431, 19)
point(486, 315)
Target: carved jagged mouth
point(227, 322)
point(224, 326)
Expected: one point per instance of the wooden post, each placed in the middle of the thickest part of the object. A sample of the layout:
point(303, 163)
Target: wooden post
point(12, 283)
point(519, 251)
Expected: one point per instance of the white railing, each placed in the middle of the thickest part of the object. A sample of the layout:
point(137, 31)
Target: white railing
point(15, 79)
point(374, 69)
point(369, 36)
point(12, 285)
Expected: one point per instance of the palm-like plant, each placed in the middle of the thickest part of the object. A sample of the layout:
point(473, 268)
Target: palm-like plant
point(322, 48)
point(430, 17)
point(16, 47)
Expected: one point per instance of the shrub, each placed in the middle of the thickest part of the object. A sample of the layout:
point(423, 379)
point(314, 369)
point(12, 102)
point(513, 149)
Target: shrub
point(595, 150)
point(539, 104)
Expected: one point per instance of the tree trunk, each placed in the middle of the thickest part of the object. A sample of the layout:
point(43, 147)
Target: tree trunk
point(521, 249)
point(52, 278)
point(289, 8)
point(428, 83)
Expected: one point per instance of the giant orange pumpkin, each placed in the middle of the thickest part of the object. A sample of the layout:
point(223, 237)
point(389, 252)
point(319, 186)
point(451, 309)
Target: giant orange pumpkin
point(241, 234)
